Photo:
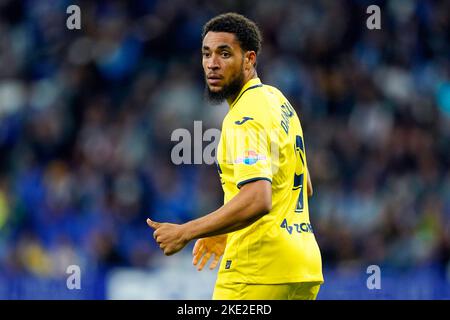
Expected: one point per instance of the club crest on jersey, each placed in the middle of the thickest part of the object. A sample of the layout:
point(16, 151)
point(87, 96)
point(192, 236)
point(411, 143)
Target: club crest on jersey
point(250, 157)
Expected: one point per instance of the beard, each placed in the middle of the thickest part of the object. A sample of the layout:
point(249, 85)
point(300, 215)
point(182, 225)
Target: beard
point(229, 90)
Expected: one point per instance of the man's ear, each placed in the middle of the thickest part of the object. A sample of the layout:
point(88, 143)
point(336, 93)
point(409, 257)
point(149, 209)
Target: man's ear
point(250, 59)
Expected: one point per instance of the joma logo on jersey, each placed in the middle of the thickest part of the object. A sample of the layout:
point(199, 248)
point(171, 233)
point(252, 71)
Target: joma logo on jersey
point(299, 228)
point(244, 120)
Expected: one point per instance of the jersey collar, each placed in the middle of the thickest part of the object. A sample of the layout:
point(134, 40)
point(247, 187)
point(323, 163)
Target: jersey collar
point(251, 84)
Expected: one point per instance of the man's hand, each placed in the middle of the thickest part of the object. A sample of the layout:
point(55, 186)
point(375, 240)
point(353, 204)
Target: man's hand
point(206, 247)
point(170, 237)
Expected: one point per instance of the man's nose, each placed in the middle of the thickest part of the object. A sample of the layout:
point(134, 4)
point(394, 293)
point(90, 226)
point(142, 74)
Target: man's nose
point(213, 63)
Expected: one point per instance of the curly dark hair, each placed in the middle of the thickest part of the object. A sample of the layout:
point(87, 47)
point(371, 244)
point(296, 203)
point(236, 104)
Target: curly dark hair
point(246, 31)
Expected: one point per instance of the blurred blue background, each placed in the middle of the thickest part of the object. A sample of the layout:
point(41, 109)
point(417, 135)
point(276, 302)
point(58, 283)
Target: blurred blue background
point(86, 118)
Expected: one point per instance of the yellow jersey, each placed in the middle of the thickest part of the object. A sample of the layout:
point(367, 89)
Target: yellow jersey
point(262, 138)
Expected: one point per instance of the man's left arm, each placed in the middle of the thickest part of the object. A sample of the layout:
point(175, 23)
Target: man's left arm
point(252, 202)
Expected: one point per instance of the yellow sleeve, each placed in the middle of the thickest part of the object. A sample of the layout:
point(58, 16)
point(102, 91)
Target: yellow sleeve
point(248, 145)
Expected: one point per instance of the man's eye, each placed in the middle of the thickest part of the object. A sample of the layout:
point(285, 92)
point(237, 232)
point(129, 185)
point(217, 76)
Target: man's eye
point(225, 54)
point(206, 54)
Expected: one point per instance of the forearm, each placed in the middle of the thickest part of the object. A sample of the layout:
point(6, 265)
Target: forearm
point(241, 211)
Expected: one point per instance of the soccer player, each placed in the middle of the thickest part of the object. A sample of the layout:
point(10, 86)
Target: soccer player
point(263, 229)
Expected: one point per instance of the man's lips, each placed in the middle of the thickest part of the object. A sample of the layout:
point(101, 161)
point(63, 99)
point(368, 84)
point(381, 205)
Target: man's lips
point(213, 80)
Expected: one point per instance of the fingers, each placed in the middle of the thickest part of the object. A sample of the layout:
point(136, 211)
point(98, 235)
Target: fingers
point(215, 262)
point(197, 246)
point(204, 261)
point(157, 236)
point(198, 252)
point(153, 224)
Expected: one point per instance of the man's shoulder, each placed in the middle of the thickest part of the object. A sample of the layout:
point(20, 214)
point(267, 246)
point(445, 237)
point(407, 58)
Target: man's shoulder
point(260, 100)
point(272, 89)
point(256, 97)
point(249, 113)
point(260, 95)
point(256, 103)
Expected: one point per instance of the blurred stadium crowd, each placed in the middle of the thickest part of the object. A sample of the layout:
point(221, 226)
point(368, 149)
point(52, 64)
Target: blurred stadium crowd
point(86, 118)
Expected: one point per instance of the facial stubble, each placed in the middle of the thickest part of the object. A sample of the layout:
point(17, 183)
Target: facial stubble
point(228, 90)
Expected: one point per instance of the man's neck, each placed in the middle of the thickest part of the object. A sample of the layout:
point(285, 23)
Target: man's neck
point(250, 76)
